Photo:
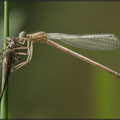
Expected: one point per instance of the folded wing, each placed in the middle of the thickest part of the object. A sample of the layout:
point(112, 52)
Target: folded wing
point(88, 41)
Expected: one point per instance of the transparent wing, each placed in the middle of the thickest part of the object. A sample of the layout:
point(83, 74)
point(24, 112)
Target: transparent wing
point(88, 41)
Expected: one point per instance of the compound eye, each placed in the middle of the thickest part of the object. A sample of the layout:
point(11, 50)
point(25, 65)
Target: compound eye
point(8, 38)
point(22, 34)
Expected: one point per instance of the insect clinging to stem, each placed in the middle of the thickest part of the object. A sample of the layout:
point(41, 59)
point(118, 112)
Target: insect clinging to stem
point(91, 41)
point(87, 41)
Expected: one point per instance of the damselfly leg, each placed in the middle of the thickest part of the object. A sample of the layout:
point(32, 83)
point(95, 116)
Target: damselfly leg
point(29, 53)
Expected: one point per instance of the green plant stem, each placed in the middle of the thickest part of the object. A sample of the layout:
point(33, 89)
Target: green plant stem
point(4, 102)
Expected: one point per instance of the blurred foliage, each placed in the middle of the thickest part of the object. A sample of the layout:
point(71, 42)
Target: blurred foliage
point(55, 84)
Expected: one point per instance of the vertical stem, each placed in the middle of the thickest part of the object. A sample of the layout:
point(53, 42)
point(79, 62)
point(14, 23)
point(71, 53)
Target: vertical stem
point(4, 102)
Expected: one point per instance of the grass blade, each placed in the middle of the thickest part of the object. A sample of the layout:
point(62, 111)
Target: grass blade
point(4, 102)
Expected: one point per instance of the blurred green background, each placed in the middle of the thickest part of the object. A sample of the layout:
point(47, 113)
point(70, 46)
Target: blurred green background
point(55, 84)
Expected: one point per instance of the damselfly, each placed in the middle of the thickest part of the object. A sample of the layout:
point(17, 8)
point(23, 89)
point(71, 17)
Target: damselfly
point(90, 41)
